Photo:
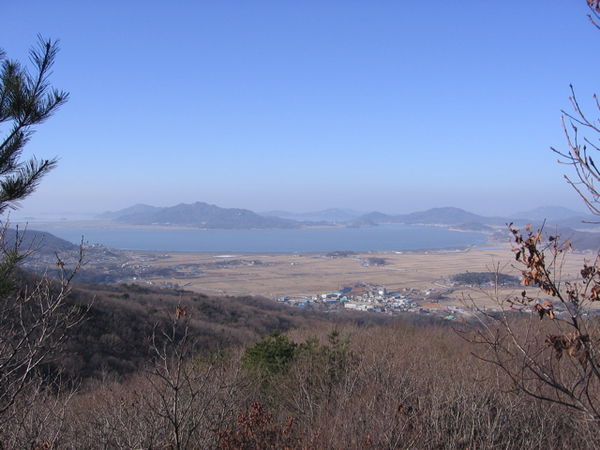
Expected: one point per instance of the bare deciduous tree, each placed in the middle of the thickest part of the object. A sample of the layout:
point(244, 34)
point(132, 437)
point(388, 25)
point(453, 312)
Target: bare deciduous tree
point(553, 355)
point(190, 394)
point(582, 132)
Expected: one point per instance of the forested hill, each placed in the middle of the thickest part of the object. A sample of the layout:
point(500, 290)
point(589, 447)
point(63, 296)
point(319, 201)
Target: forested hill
point(199, 214)
point(120, 321)
point(39, 241)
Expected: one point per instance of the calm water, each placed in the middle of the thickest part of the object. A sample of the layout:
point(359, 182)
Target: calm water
point(383, 237)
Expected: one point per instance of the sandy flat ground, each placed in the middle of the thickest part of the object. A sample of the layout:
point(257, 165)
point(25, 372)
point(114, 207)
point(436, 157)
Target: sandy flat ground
point(274, 275)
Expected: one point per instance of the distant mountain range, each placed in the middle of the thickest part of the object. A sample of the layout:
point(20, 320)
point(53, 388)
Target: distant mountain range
point(552, 216)
point(132, 211)
point(199, 214)
point(204, 215)
point(557, 220)
point(434, 216)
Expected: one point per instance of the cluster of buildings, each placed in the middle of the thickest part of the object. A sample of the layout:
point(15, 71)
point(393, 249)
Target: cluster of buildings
point(361, 297)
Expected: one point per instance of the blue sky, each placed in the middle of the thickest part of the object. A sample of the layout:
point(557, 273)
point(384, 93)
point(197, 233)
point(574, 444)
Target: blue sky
point(387, 105)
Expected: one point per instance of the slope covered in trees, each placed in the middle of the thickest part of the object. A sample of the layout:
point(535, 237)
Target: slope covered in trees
point(199, 214)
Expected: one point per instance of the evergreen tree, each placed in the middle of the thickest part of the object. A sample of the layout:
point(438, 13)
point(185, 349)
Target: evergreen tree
point(34, 316)
point(26, 100)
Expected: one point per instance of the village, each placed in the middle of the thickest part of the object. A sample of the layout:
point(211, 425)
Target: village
point(377, 299)
point(373, 298)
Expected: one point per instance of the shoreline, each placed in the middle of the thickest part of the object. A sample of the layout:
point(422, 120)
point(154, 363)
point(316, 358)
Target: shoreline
point(108, 224)
point(308, 240)
point(486, 246)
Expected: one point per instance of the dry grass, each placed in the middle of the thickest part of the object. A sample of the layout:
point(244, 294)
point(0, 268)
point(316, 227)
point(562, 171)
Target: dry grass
point(309, 274)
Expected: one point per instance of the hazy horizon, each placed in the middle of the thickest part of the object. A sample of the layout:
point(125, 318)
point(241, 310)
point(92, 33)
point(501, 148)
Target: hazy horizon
point(21, 215)
point(302, 107)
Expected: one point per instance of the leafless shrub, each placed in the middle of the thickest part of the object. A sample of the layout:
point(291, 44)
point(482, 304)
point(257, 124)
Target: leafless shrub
point(552, 355)
point(258, 429)
point(35, 321)
point(416, 387)
point(180, 401)
point(37, 418)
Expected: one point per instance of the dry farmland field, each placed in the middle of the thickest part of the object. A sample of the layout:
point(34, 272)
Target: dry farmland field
point(274, 275)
